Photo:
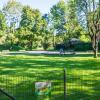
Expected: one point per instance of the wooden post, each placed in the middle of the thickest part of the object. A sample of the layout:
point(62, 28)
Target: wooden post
point(65, 98)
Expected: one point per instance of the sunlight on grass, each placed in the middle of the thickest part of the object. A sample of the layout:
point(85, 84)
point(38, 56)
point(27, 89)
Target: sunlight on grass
point(18, 74)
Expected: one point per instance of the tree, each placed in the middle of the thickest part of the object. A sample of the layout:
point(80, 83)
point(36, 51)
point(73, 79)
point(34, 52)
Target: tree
point(58, 15)
point(30, 25)
point(90, 9)
point(65, 21)
point(45, 31)
point(72, 26)
point(3, 27)
point(12, 11)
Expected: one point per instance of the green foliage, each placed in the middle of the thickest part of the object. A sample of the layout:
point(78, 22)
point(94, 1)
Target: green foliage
point(84, 46)
point(88, 10)
point(58, 15)
point(3, 25)
point(73, 27)
point(84, 38)
point(46, 32)
point(12, 11)
point(45, 46)
point(30, 26)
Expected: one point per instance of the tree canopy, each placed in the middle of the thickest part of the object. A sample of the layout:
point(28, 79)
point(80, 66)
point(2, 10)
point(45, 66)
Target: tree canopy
point(23, 27)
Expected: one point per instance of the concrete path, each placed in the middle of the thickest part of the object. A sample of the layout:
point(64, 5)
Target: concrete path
point(43, 52)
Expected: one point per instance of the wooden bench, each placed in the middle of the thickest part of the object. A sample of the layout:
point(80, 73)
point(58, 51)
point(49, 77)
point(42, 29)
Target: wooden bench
point(5, 51)
point(22, 50)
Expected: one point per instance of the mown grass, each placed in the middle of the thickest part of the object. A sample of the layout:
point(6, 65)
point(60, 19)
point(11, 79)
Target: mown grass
point(19, 72)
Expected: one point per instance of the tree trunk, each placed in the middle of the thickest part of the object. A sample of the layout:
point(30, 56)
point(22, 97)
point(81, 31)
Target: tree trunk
point(95, 53)
point(53, 41)
point(95, 46)
point(30, 42)
point(31, 45)
point(11, 45)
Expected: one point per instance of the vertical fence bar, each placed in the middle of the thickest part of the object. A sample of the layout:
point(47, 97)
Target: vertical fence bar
point(65, 98)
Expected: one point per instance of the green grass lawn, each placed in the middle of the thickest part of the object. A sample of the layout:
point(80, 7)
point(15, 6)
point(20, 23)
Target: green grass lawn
point(19, 72)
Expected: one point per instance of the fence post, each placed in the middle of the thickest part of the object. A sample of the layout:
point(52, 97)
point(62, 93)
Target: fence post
point(65, 98)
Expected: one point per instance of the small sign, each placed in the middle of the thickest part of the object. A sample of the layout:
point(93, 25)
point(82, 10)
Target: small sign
point(43, 88)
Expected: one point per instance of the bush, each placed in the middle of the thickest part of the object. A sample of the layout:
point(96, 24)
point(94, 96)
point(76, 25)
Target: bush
point(7, 47)
point(83, 46)
point(16, 48)
point(3, 47)
point(99, 46)
point(59, 46)
point(45, 46)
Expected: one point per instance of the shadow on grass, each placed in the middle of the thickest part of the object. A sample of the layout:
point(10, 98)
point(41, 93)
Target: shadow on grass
point(18, 74)
point(72, 55)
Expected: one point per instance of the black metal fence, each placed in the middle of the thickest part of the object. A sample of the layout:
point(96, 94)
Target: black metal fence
point(21, 86)
point(65, 86)
point(7, 94)
point(83, 85)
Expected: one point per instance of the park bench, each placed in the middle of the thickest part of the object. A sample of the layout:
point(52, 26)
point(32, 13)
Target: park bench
point(22, 50)
point(5, 51)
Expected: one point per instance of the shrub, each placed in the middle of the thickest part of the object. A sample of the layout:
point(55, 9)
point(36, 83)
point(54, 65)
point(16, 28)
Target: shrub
point(45, 46)
point(59, 46)
point(83, 46)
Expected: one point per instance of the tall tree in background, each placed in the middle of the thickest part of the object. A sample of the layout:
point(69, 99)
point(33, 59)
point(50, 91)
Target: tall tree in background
point(58, 15)
point(90, 10)
point(3, 27)
point(12, 11)
point(72, 26)
point(3, 24)
point(36, 29)
point(30, 25)
point(65, 20)
point(46, 32)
